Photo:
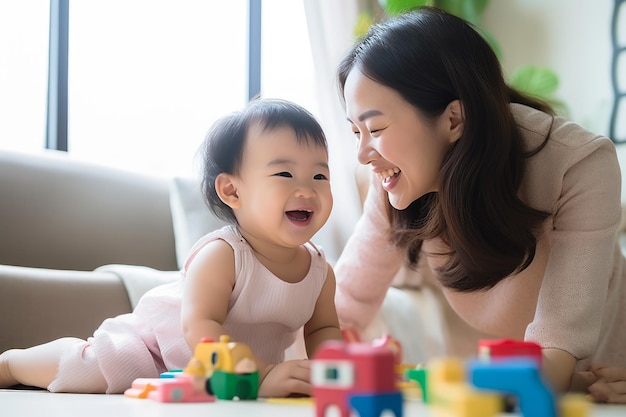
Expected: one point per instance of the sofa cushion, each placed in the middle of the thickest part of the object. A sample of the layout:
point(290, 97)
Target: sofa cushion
point(60, 213)
point(191, 217)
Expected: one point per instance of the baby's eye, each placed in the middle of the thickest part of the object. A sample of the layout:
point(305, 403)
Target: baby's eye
point(356, 133)
point(284, 174)
point(320, 177)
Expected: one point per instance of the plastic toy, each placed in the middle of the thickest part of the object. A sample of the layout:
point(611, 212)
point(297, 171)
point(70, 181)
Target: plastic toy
point(520, 377)
point(229, 369)
point(449, 393)
point(183, 388)
point(171, 374)
point(574, 405)
point(141, 387)
point(355, 376)
point(419, 375)
point(506, 348)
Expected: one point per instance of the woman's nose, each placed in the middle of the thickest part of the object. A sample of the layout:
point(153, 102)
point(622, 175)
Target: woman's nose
point(365, 152)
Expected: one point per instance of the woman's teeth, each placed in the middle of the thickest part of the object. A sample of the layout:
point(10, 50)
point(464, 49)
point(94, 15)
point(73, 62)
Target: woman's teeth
point(388, 173)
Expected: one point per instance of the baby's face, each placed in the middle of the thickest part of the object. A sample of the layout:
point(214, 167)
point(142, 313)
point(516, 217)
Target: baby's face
point(283, 187)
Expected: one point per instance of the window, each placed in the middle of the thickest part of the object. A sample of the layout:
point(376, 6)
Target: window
point(23, 74)
point(147, 78)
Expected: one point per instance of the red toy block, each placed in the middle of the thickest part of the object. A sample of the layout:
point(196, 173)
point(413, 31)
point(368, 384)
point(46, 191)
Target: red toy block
point(509, 348)
point(343, 371)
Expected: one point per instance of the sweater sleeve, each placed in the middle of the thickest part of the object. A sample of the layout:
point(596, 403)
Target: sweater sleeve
point(571, 301)
point(367, 264)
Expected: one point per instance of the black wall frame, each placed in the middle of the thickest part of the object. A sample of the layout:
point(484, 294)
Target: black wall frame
point(56, 118)
point(58, 53)
point(619, 93)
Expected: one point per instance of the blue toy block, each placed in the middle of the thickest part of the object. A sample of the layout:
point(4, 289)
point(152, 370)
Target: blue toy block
point(171, 374)
point(520, 377)
point(373, 405)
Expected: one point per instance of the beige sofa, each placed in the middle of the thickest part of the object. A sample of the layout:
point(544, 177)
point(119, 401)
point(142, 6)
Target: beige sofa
point(82, 242)
point(59, 220)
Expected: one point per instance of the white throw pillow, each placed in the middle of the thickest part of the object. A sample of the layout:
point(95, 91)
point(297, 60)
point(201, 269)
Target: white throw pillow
point(191, 217)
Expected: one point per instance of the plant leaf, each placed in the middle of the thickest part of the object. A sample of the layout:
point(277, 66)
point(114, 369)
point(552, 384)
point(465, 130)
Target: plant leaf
point(470, 10)
point(363, 22)
point(536, 81)
point(393, 7)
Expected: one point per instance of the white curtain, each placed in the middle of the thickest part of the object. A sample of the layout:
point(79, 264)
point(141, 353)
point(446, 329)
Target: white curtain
point(330, 26)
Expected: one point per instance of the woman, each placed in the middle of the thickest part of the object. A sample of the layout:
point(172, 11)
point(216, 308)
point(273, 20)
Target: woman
point(508, 212)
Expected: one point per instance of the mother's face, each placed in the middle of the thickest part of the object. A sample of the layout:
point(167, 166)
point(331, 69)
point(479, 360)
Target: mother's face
point(404, 148)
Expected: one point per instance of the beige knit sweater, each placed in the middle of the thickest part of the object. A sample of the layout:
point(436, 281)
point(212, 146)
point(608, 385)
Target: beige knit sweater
point(573, 295)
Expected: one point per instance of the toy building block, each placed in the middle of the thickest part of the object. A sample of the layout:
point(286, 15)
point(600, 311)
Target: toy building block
point(171, 374)
point(375, 405)
point(228, 367)
point(182, 389)
point(410, 389)
point(449, 394)
point(520, 377)
point(419, 375)
point(341, 372)
point(574, 405)
point(141, 387)
point(290, 400)
point(497, 349)
point(393, 344)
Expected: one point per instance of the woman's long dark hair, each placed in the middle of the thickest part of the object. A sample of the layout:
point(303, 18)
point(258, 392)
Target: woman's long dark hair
point(431, 58)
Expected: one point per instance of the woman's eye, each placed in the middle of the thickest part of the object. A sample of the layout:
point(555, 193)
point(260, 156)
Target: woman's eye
point(284, 174)
point(356, 133)
point(320, 177)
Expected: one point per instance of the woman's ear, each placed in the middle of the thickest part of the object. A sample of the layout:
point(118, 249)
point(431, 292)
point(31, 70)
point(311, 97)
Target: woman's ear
point(455, 117)
point(226, 188)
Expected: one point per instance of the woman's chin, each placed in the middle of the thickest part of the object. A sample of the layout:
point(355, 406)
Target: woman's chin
point(398, 203)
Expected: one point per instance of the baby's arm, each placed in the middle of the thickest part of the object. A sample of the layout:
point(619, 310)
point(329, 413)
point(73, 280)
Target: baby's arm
point(208, 283)
point(324, 324)
point(294, 377)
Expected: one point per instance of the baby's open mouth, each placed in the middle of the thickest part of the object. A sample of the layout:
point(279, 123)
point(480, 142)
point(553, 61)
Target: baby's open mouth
point(299, 215)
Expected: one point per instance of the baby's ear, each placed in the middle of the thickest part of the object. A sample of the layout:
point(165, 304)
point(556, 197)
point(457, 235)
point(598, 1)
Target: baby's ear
point(226, 188)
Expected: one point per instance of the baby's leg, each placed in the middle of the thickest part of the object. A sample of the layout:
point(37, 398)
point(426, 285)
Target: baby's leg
point(36, 366)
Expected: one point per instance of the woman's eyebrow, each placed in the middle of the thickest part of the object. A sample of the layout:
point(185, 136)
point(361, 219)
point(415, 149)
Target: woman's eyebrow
point(367, 114)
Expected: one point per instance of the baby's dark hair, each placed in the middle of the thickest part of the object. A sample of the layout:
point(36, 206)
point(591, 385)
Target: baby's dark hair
point(222, 149)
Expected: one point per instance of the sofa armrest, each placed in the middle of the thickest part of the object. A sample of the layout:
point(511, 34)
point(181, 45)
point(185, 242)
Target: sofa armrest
point(139, 279)
point(39, 305)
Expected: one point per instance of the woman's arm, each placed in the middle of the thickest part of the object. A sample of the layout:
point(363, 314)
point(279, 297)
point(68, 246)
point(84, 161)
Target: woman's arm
point(574, 295)
point(367, 264)
point(558, 368)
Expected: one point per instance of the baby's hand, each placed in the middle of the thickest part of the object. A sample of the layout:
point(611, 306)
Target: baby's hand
point(287, 378)
point(610, 384)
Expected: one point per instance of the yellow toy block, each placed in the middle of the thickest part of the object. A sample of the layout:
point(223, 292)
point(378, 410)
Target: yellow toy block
point(574, 405)
point(451, 396)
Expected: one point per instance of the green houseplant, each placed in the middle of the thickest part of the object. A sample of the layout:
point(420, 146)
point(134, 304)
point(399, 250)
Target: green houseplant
point(535, 81)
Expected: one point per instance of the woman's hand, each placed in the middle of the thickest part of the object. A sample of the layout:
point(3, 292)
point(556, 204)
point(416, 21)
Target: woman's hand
point(609, 386)
point(287, 378)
